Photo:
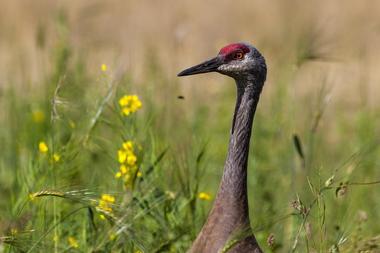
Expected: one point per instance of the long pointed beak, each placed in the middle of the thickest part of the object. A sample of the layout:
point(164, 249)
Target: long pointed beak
point(205, 67)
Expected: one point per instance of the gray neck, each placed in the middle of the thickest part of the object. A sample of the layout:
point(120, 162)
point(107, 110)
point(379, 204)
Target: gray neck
point(233, 188)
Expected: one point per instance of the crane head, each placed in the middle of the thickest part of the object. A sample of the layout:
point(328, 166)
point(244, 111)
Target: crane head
point(237, 60)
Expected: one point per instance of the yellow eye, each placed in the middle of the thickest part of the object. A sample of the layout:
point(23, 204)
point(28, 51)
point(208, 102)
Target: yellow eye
point(239, 55)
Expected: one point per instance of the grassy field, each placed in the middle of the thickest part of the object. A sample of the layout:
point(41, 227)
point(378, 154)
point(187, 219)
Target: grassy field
point(104, 149)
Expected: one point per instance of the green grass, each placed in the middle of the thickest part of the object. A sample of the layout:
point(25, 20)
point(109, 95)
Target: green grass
point(313, 178)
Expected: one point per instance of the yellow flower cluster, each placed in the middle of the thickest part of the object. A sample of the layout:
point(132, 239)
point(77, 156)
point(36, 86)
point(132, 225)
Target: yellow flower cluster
point(128, 163)
point(129, 104)
point(105, 203)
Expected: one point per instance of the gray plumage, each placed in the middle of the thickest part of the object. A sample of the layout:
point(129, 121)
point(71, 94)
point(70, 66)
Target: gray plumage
point(228, 224)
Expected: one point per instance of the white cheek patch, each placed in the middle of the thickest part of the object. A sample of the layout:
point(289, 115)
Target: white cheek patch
point(227, 67)
point(234, 66)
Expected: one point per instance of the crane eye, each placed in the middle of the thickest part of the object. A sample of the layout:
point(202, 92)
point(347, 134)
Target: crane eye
point(238, 56)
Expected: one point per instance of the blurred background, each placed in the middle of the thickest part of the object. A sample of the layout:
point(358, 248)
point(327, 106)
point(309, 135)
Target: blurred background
point(318, 118)
point(341, 39)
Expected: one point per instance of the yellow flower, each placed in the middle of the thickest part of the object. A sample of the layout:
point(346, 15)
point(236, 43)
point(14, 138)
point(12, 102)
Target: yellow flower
point(124, 101)
point(118, 174)
point(139, 174)
point(135, 103)
point(103, 67)
point(108, 198)
point(42, 147)
point(204, 196)
point(131, 159)
point(123, 169)
point(104, 206)
point(122, 155)
point(105, 203)
point(38, 116)
point(102, 217)
point(128, 145)
point(136, 106)
point(73, 242)
point(126, 111)
point(56, 157)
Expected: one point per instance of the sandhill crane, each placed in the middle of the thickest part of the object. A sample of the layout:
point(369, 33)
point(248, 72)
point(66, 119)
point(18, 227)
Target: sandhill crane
point(229, 216)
